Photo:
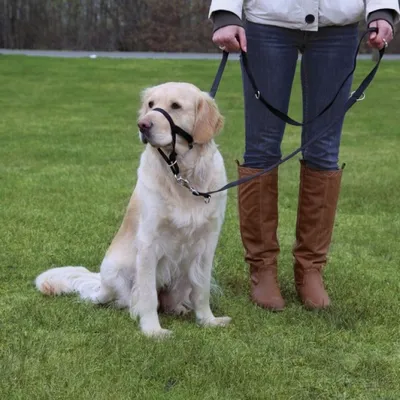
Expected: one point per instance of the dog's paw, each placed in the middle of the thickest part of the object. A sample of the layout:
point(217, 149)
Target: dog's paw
point(158, 333)
point(217, 321)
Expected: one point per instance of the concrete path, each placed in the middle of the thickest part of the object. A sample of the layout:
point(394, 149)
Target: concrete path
point(142, 55)
point(117, 54)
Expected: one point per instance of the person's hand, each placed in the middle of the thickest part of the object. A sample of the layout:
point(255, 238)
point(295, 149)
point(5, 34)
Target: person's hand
point(230, 38)
point(384, 35)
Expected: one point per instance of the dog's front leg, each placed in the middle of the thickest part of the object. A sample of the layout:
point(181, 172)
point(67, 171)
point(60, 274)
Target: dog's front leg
point(144, 294)
point(200, 277)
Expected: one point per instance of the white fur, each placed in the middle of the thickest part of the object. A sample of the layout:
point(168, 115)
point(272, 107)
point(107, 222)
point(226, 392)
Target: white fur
point(167, 240)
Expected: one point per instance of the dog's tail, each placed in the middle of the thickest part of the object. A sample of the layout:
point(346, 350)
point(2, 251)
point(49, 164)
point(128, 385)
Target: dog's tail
point(64, 280)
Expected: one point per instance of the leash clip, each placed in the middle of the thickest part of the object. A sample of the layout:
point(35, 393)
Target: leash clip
point(185, 183)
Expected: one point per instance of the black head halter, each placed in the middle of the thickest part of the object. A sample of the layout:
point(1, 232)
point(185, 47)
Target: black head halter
point(175, 130)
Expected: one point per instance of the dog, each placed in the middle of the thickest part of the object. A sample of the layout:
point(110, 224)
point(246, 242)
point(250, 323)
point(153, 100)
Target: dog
point(162, 255)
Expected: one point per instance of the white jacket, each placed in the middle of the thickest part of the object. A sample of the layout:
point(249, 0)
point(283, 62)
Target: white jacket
point(304, 14)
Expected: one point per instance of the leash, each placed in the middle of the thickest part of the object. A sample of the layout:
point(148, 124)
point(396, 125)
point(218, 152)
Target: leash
point(356, 95)
point(214, 87)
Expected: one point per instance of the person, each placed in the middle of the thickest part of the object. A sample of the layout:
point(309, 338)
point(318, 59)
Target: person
point(272, 32)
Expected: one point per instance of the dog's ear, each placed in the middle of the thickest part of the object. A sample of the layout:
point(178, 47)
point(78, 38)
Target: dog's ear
point(208, 122)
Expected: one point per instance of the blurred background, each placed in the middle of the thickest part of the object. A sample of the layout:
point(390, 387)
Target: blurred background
point(112, 25)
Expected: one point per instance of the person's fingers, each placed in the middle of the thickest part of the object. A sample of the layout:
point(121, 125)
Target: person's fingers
point(386, 31)
point(242, 39)
point(230, 38)
point(227, 42)
point(229, 45)
point(384, 35)
point(222, 38)
point(232, 44)
point(373, 35)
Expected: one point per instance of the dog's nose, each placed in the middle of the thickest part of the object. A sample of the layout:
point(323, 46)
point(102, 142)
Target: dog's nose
point(144, 126)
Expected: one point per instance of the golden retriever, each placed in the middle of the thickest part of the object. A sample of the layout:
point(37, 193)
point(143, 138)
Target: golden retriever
point(163, 252)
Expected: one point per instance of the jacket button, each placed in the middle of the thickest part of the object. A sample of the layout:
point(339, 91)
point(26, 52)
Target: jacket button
point(310, 19)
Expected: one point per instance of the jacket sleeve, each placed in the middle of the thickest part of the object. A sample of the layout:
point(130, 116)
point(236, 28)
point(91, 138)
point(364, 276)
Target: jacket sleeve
point(382, 9)
point(224, 18)
point(233, 6)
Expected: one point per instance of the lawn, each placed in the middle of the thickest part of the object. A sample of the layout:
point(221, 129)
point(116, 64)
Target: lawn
point(68, 157)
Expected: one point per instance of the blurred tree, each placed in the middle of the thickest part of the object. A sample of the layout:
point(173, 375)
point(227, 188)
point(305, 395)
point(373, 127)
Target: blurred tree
point(123, 25)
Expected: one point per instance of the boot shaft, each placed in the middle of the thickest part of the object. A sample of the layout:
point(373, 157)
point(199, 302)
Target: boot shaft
point(258, 214)
point(317, 204)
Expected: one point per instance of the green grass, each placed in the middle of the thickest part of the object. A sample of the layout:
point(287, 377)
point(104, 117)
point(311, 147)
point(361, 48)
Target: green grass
point(68, 158)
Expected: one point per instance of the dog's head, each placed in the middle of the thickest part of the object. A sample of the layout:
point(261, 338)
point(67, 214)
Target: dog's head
point(190, 108)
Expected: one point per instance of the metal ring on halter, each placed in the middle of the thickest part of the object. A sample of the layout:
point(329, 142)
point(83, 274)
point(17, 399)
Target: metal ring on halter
point(361, 98)
point(385, 42)
point(257, 94)
point(222, 47)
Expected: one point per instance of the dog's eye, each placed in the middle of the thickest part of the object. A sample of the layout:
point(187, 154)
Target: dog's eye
point(176, 106)
point(151, 104)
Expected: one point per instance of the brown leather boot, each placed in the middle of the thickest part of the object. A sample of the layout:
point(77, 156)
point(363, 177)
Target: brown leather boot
point(258, 212)
point(318, 197)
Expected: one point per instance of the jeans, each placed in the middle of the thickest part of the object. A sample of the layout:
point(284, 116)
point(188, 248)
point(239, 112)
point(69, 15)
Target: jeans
point(327, 58)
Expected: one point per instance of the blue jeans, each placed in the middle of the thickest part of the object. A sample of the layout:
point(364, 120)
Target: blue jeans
point(327, 58)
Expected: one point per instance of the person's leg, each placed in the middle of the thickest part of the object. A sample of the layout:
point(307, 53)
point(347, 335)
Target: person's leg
point(327, 60)
point(272, 55)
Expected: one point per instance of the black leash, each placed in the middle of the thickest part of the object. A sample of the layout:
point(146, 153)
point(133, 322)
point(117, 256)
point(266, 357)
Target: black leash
point(218, 76)
point(355, 96)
